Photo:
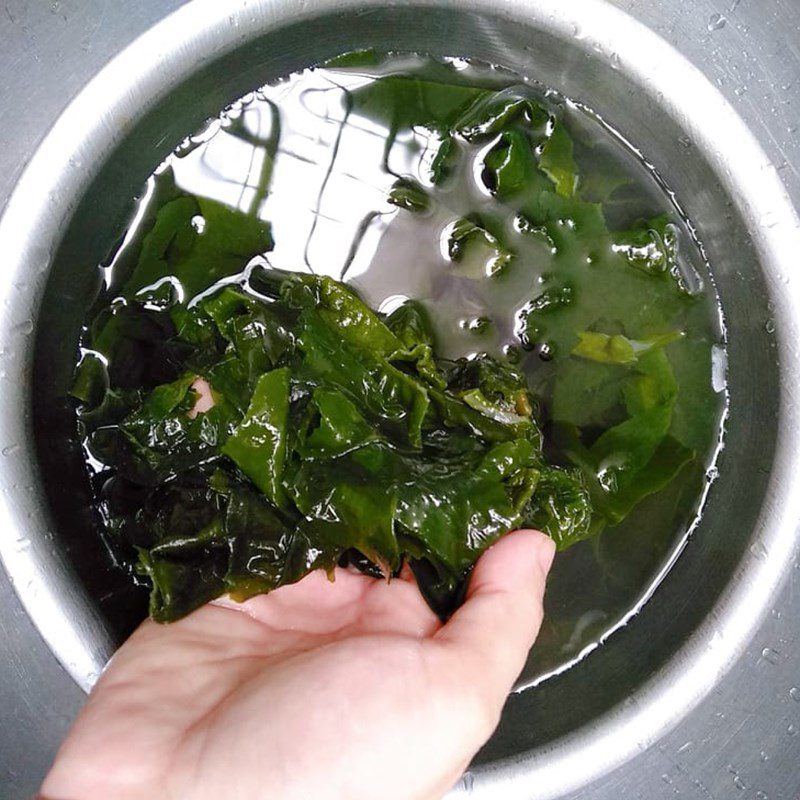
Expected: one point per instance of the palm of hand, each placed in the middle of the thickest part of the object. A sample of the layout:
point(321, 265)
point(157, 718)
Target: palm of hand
point(316, 690)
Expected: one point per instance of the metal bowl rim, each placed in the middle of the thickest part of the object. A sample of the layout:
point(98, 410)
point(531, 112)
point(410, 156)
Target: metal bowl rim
point(134, 81)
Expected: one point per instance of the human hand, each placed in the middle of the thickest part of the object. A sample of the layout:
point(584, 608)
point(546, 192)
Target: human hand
point(346, 690)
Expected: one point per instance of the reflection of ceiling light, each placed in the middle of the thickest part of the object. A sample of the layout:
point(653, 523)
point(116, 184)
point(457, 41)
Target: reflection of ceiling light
point(324, 192)
point(132, 234)
point(363, 247)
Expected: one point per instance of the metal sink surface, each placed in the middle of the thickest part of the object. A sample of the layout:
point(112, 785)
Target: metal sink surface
point(743, 740)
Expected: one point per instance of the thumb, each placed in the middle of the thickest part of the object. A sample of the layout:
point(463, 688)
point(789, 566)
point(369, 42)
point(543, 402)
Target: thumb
point(491, 634)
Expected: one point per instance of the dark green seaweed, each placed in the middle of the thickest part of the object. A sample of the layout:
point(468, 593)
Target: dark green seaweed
point(337, 435)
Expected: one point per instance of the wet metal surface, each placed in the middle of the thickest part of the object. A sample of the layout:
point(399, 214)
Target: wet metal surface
point(744, 738)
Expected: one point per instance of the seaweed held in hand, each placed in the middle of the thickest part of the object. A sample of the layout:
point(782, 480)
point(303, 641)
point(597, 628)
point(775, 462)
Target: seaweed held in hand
point(329, 431)
point(246, 423)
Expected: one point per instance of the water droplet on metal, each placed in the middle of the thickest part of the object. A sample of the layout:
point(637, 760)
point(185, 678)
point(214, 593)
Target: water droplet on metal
point(792, 729)
point(716, 22)
point(763, 756)
point(10, 449)
point(769, 325)
point(771, 656)
point(762, 796)
point(794, 693)
point(616, 61)
point(739, 783)
point(685, 142)
point(770, 219)
point(25, 328)
point(759, 550)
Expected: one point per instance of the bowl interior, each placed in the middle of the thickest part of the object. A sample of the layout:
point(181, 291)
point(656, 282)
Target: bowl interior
point(144, 121)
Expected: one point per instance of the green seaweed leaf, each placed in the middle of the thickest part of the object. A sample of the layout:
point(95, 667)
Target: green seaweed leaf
point(408, 194)
point(197, 241)
point(338, 435)
point(557, 160)
point(650, 246)
point(401, 101)
point(618, 349)
point(561, 507)
point(475, 252)
point(258, 445)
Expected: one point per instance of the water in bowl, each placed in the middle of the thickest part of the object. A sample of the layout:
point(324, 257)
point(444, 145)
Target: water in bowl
point(317, 155)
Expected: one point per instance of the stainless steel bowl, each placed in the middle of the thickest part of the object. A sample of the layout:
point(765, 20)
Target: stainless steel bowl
point(74, 198)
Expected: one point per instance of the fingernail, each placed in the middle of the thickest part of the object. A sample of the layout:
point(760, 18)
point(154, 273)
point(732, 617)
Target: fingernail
point(546, 554)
